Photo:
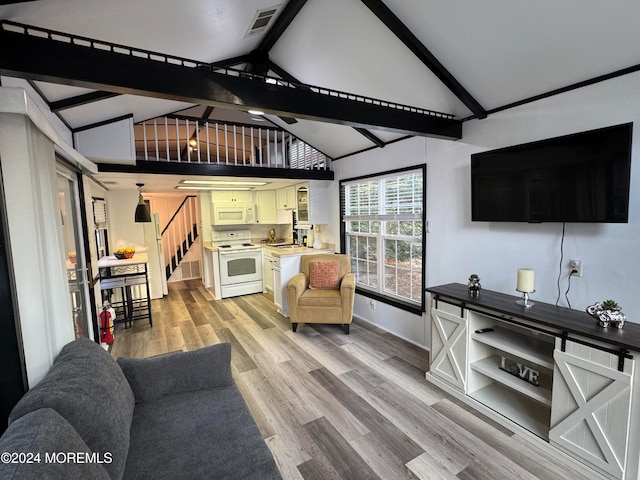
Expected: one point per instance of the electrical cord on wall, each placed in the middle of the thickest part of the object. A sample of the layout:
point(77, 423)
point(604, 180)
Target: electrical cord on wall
point(560, 266)
point(566, 294)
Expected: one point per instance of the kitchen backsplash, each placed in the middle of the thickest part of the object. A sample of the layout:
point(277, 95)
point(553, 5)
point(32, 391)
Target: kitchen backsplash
point(259, 232)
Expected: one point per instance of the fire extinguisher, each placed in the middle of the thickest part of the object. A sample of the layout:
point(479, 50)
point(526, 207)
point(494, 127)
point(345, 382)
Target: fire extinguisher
point(106, 324)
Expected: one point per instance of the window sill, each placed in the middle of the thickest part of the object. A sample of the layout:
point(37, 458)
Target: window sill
point(394, 302)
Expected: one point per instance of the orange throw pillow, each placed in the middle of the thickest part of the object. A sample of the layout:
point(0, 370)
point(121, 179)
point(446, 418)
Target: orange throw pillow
point(324, 275)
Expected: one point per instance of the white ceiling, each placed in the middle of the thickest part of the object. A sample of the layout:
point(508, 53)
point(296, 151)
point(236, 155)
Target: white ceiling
point(501, 51)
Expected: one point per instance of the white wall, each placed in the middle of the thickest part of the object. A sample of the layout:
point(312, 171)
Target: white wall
point(110, 143)
point(54, 121)
point(457, 247)
point(123, 230)
point(28, 165)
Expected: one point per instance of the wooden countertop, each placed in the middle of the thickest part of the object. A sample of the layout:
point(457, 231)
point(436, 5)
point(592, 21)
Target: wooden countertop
point(559, 318)
point(284, 252)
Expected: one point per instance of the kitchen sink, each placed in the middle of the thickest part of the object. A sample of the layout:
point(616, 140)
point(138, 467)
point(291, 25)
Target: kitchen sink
point(287, 246)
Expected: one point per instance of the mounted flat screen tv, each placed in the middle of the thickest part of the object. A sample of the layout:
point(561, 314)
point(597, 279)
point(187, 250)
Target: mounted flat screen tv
point(582, 177)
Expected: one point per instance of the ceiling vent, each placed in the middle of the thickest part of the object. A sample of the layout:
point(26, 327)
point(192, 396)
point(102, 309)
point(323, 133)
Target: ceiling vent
point(261, 20)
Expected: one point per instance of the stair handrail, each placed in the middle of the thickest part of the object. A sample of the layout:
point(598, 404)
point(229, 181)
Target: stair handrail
point(176, 212)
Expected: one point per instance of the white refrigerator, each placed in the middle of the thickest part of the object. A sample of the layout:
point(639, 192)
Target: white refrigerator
point(153, 242)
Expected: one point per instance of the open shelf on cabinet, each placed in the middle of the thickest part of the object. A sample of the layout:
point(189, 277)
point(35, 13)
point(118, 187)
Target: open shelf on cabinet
point(490, 366)
point(528, 413)
point(511, 395)
point(533, 347)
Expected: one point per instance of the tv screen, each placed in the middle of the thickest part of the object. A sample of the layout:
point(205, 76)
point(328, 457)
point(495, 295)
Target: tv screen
point(582, 177)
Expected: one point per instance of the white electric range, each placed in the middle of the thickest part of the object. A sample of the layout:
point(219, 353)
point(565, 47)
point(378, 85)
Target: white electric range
point(240, 262)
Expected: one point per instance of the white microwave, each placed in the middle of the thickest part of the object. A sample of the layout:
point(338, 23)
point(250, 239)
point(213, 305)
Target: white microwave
point(233, 213)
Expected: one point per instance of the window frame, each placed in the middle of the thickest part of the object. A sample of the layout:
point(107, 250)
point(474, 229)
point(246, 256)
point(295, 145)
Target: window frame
point(380, 295)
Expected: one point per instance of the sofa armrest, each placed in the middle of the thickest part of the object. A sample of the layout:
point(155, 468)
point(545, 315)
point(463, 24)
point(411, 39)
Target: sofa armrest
point(178, 372)
point(295, 288)
point(348, 282)
point(348, 295)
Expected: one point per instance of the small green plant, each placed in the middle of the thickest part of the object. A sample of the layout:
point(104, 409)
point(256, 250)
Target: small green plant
point(610, 305)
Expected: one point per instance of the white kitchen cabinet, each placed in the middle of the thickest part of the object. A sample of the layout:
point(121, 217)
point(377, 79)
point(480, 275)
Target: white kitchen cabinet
point(231, 196)
point(267, 271)
point(591, 408)
point(266, 207)
point(286, 197)
point(284, 269)
point(312, 204)
point(448, 353)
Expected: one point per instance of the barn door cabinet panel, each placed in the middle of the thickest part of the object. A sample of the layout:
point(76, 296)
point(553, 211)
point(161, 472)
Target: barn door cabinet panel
point(548, 372)
point(448, 353)
point(591, 407)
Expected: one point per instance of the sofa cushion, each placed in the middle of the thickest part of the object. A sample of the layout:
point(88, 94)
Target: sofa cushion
point(198, 435)
point(324, 275)
point(86, 386)
point(320, 298)
point(46, 439)
point(178, 372)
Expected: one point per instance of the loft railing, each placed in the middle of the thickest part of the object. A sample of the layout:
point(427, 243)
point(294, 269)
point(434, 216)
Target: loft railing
point(182, 139)
point(212, 67)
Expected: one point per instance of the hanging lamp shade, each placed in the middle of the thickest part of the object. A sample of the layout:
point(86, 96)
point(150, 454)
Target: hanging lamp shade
point(142, 209)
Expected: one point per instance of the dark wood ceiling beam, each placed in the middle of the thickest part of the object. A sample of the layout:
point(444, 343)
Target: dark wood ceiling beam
point(232, 62)
point(400, 30)
point(54, 61)
point(289, 12)
point(194, 136)
point(80, 100)
point(371, 137)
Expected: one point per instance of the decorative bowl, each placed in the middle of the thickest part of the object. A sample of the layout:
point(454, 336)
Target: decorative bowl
point(124, 253)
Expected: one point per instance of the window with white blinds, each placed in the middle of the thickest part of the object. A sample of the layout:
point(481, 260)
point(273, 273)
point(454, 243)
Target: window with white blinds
point(383, 233)
point(99, 211)
point(302, 155)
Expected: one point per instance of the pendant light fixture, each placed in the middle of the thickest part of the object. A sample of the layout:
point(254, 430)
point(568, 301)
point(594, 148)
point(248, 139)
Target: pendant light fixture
point(142, 210)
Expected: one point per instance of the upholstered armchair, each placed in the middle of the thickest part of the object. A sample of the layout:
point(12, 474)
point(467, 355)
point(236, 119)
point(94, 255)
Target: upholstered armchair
point(323, 291)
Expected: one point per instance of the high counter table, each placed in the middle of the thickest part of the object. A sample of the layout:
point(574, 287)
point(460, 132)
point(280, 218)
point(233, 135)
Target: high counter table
point(124, 274)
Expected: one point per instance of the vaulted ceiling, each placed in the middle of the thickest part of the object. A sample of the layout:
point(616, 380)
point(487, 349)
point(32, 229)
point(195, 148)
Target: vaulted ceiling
point(466, 59)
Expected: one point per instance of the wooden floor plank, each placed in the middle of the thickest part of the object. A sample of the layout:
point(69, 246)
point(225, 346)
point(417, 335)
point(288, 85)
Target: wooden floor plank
point(389, 435)
point(524, 456)
point(426, 467)
point(342, 456)
point(336, 406)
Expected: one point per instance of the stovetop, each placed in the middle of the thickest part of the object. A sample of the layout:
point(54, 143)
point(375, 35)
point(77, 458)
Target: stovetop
point(237, 246)
point(232, 239)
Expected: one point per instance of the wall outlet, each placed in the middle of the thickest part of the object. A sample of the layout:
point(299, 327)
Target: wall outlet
point(575, 265)
point(372, 304)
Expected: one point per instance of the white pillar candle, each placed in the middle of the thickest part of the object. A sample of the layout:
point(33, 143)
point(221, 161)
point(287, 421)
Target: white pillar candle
point(525, 280)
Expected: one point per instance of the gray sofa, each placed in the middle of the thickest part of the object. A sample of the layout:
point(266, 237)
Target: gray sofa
point(176, 416)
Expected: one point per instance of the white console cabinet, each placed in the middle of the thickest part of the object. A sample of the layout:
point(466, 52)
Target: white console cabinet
point(448, 353)
point(549, 372)
point(591, 410)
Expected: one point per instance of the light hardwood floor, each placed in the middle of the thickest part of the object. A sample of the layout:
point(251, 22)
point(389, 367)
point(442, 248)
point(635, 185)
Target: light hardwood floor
point(336, 406)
